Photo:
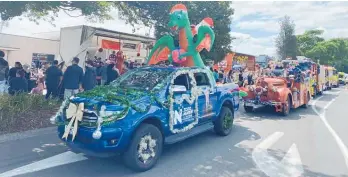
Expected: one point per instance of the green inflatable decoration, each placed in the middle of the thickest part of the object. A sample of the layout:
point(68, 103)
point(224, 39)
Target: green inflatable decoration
point(188, 48)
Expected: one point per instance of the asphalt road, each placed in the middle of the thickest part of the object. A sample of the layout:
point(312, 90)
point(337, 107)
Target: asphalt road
point(262, 143)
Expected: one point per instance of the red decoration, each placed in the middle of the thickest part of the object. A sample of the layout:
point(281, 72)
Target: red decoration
point(175, 55)
point(106, 44)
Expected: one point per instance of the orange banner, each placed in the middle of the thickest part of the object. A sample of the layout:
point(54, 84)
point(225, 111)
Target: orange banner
point(106, 44)
point(226, 63)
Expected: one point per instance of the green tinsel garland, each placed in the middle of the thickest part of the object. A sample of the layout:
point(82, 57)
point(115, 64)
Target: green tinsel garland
point(116, 95)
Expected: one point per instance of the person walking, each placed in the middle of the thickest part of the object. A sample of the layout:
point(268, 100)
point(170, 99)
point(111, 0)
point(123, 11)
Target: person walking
point(53, 80)
point(3, 72)
point(72, 79)
point(89, 79)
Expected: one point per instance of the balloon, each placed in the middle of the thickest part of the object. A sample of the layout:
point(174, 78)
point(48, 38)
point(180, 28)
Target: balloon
point(175, 55)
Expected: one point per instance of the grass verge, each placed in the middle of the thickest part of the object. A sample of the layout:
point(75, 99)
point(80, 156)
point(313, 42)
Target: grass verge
point(25, 112)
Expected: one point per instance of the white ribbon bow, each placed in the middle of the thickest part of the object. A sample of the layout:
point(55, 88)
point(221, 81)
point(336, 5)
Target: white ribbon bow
point(75, 113)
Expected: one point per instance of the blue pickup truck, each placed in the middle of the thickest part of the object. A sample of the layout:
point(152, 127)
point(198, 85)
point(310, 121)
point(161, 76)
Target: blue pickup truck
point(144, 109)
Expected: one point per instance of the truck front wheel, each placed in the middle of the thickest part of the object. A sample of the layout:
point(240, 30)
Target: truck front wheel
point(145, 148)
point(223, 124)
point(286, 107)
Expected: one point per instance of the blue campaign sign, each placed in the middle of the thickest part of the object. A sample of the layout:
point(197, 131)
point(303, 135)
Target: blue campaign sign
point(184, 113)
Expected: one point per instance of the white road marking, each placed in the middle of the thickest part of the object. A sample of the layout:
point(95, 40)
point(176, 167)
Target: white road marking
point(48, 145)
point(289, 166)
point(328, 104)
point(341, 145)
point(37, 150)
point(57, 160)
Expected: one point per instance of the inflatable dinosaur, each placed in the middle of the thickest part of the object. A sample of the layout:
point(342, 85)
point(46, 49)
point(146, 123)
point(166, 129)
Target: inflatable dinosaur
point(188, 50)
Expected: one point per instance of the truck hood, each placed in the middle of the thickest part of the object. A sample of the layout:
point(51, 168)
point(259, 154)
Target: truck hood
point(90, 103)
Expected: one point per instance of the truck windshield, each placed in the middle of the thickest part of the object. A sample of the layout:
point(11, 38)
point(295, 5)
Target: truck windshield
point(142, 79)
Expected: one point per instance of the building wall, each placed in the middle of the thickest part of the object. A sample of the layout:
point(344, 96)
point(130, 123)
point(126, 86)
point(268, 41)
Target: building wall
point(26, 46)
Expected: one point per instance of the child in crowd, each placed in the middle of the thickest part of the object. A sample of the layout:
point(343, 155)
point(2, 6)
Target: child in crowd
point(39, 88)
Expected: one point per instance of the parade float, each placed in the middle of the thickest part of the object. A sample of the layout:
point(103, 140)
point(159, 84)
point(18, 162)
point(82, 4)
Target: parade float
point(150, 106)
point(331, 77)
point(284, 90)
point(342, 78)
point(313, 69)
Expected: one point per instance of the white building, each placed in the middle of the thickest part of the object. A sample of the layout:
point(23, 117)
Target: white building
point(84, 41)
point(73, 42)
point(24, 49)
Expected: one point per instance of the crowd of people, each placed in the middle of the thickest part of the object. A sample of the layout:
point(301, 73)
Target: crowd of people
point(61, 82)
point(241, 76)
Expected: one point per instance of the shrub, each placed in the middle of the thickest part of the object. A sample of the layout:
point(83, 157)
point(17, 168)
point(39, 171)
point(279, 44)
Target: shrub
point(24, 111)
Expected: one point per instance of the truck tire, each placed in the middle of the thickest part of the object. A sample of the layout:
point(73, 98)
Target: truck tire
point(248, 109)
point(286, 107)
point(223, 124)
point(148, 138)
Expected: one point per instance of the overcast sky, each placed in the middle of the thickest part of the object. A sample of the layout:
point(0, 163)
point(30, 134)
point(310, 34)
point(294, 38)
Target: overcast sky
point(255, 24)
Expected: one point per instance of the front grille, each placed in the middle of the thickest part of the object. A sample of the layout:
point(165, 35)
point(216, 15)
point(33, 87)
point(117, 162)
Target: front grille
point(89, 119)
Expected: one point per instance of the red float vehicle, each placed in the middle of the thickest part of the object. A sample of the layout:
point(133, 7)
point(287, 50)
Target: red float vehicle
point(279, 92)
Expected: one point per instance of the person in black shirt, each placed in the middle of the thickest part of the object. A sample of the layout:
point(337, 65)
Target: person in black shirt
point(89, 79)
point(3, 72)
point(13, 71)
point(18, 84)
point(250, 79)
point(240, 78)
point(72, 79)
point(111, 74)
point(53, 80)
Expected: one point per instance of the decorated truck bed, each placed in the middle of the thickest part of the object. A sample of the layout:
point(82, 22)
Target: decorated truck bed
point(143, 110)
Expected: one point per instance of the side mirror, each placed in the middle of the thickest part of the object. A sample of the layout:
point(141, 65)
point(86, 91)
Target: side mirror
point(179, 88)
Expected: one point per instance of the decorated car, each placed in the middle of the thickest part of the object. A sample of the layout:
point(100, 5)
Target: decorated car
point(282, 93)
point(144, 109)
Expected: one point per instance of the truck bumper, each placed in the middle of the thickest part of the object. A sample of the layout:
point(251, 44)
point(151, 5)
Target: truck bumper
point(112, 142)
point(257, 104)
point(262, 103)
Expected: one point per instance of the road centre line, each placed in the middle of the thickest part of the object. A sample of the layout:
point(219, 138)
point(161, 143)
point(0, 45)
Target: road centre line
point(341, 145)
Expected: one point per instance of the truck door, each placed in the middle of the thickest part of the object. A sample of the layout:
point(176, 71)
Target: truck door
point(184, 111)
point(207, 100)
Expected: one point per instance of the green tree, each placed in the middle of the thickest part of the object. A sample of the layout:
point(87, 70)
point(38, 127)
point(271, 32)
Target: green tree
point(308, 40)
point(333, 52)
point(286, 41)
point(48, 10)
point(156, 14)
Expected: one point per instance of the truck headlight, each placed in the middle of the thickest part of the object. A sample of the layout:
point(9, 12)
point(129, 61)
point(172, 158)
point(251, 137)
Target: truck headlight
point(106, 113)
point(274, 89)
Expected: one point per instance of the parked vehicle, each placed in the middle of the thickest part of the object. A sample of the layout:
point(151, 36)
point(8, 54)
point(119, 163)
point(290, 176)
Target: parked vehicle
point(278, 92)
point(144, 109)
